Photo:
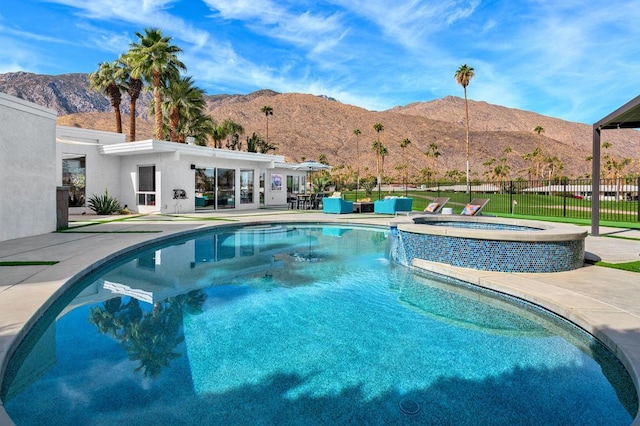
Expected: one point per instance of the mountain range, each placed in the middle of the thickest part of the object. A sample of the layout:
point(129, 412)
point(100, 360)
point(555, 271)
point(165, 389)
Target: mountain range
point(305, 126)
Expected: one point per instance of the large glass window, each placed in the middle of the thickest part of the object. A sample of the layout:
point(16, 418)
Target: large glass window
point(74, 176)
point(147, 185)
point(246, 186)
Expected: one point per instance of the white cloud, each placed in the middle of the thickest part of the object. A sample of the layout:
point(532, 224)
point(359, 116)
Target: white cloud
point(273, 20)
point(411, 22)
point(147, 13)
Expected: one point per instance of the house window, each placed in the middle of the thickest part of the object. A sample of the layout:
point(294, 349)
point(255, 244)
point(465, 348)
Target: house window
point(246, 186)
point(74, 176)
point(147, 185)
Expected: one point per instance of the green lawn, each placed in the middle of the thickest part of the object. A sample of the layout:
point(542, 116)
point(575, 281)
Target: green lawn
point(629, 266)
point(29, 263)
point(534, 206)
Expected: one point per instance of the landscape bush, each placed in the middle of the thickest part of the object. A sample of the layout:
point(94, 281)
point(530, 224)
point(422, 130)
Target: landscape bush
point(104, 204)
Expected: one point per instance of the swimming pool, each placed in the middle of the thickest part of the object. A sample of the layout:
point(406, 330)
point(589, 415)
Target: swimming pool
point(302, 324)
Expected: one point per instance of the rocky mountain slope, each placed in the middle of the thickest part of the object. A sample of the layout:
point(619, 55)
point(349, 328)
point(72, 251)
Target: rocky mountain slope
point(306, 126)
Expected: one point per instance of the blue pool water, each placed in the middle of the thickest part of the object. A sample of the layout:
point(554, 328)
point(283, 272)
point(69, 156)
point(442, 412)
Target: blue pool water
point(301, 324)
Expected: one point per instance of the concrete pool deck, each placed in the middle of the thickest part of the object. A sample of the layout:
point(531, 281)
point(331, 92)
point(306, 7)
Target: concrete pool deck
point(603, 301)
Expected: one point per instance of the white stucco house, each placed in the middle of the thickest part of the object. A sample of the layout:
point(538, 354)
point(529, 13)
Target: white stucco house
point(153, 176)
point(37, 158)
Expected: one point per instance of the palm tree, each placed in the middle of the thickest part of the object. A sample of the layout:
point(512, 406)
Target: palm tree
point(433, 153)
point(405, 143)
point(267, 111)
point(613, 167)
point(155, 59)
point(463, 76)
point(357, 132)
point(378, 127)
point(133, 84)
point(383, 153)
point(264, 147)
point(107, 80)
point(219, 133)
point(252, 142)
point(234, 130)
point(554, 165)
point(200, 127)
point(181, 99)
point(536, 156)
point(538, 130)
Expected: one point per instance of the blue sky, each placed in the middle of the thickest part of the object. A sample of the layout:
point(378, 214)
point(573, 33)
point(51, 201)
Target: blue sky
point(573, 59)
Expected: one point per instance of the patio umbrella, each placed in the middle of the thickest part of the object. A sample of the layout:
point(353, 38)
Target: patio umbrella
point(311, 166)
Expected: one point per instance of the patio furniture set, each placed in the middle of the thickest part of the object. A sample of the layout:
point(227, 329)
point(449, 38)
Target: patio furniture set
point(398, 205)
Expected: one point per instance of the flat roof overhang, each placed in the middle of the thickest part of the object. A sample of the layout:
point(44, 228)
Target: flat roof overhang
point(153, 146)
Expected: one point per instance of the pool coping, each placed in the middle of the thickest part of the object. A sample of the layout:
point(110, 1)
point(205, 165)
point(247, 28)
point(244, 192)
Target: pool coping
point(546, 232)
point(25, 296)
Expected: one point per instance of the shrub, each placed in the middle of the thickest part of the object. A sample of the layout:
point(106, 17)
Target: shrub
point(103, 204)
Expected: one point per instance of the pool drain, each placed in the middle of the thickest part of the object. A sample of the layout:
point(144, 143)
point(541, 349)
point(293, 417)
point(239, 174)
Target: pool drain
point(409, 406)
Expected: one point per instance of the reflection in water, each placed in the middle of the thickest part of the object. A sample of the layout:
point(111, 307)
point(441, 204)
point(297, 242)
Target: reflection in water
point(151, 338)
point(280, 319)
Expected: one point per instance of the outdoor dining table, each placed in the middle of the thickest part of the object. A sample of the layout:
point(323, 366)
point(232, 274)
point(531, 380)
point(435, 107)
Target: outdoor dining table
point(308, 201)
point(304, 201)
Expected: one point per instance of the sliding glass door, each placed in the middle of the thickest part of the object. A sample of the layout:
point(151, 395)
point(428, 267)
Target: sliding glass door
point(215, 188)
point(226, 189)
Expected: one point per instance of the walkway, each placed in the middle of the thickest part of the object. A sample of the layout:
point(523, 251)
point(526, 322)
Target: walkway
point(604, 301)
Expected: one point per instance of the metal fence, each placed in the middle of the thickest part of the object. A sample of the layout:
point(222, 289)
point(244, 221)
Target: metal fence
point(569, 198)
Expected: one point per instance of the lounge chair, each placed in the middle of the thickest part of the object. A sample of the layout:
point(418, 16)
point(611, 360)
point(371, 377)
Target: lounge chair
point(474, 207)
point(436, 205)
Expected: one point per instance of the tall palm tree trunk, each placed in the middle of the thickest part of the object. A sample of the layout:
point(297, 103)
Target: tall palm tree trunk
point(379, 174)
point(135, 86)
point(116, 97)
point(118, 120)
point(174, 122)
point(267, 128)
point(466, 108)
point(157, 99)
point(132, 120)
point(357, 169)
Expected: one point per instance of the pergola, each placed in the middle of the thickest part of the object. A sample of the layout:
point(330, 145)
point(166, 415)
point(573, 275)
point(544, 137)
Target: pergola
point(625, 117)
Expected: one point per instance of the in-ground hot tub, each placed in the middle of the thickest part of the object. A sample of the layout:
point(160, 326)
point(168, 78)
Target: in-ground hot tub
point(490, 243)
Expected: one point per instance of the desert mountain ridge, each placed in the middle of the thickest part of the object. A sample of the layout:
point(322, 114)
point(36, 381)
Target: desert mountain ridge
point(305, 126)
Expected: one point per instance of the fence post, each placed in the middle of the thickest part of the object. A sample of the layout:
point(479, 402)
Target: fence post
point(564, 202)
point(638, 196)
